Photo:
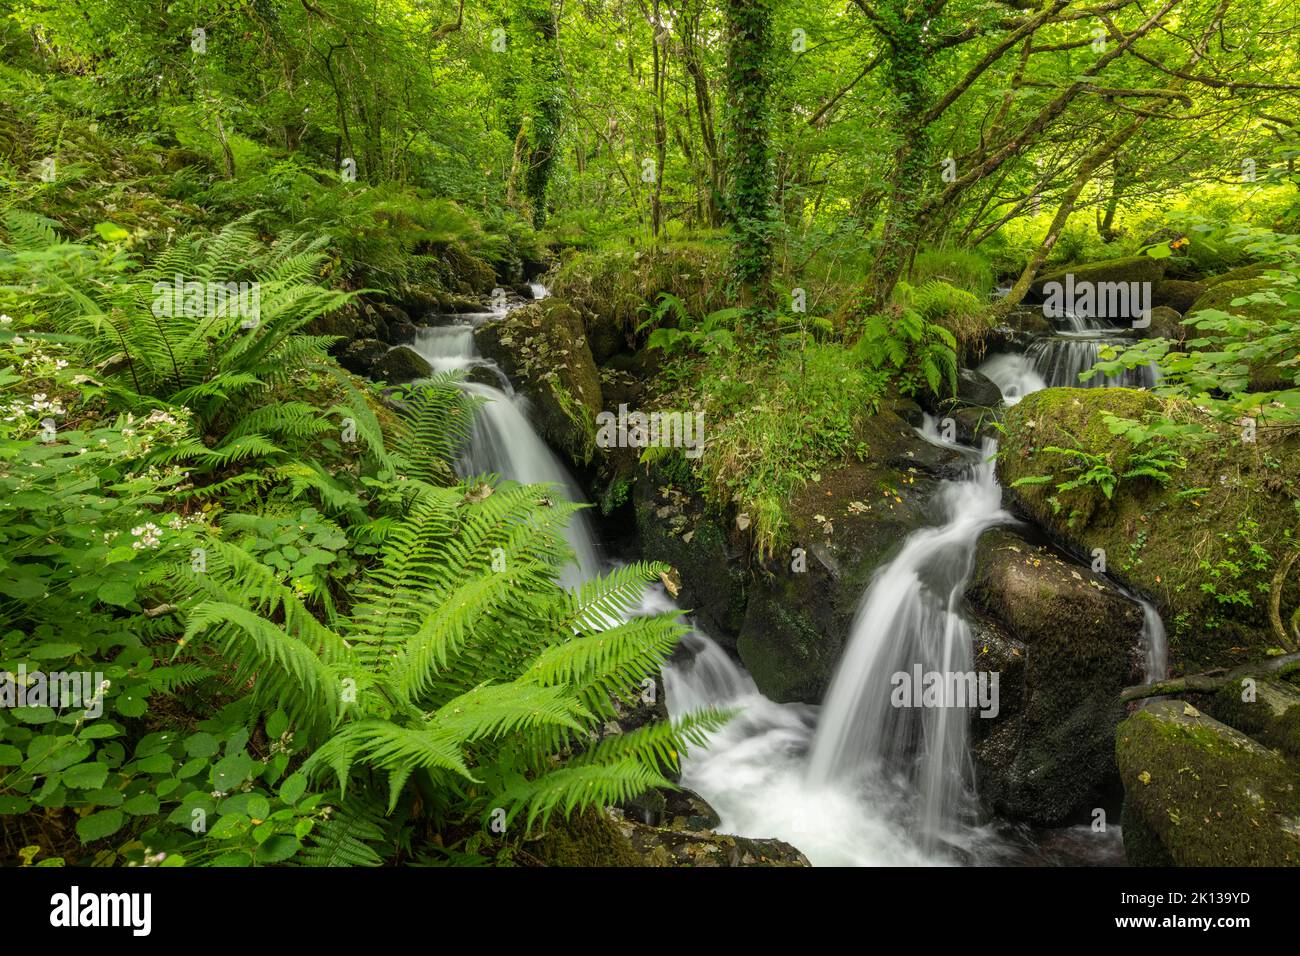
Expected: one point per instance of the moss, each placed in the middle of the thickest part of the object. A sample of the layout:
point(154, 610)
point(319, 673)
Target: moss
point(585, 839)
point(1126, 269)
point(1272, 716)
point(1203, 546)
point(609, 288)
point(1210, 795)
point(543, 348)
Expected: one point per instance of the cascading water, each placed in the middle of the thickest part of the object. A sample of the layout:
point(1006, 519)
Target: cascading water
point(910, 617)
point(858, 781)
point(1058, 359)
point(502, 440)
point(1061, 359)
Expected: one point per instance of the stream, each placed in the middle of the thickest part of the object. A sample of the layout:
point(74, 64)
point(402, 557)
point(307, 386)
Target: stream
point(856, 781)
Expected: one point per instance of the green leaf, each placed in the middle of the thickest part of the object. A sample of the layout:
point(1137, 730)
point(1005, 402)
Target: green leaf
point(293, 788)
point(96, 826)
point(86, 776)
point(117, 593)
point(142, 804)
point(201, 745)
point(230, 772)
point(277, 849)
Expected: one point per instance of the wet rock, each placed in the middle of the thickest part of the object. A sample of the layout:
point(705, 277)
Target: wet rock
point(1166, 323)
point(1207, 794)
point(974, 388)
point(1071, 642)
point(1177, 294)
point(543, 348)
point(400, 365)
point(674, 527)
point(360, 356)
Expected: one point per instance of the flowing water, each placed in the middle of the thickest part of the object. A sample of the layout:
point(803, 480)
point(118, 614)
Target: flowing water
point(857, 781)
point(503, 441)
point(1059, 359)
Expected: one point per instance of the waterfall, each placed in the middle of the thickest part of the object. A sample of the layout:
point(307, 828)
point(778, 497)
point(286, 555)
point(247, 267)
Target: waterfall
point(503, 441)
point(910, 616)
point(1061, 359)
point(857, 781)
point(1013, 374)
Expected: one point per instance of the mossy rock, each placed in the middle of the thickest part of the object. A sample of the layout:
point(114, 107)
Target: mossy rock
point(841, 529)
point(1266, 709)
point(1066, 642)
point(669, 846)
point(586, 839)
point(1127, 269)
point(1209, 794)
point(1166, 323)
point(543, 348)
point(674, 527)
point(1187, 544)
point(609, 288)
point(399, 366)
point(1177, 294)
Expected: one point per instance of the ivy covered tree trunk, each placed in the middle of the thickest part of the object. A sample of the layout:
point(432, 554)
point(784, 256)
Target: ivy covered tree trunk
point(907, 79)
point(548, 105)
point(749, 154)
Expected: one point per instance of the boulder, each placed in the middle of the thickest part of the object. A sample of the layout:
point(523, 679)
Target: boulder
point(400, 365)
point(1166, 323)
point(360, 356)
point(1065, 641)
point(1177, 294)
point(1127, 269)
point(1204, 794)
point(1203, 545)
point(596, 839)
point(543, 348)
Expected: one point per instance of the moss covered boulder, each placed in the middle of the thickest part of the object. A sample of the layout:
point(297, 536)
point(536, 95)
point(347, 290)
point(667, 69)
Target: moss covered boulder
point(608, 288)
point(1177, 294)
point(542, 347)
point(1127, 269)
point(1199, 793)
point(1065, 642)
point(802, 600)
point(1204, 546)
point(400, 365)
point(610, 839)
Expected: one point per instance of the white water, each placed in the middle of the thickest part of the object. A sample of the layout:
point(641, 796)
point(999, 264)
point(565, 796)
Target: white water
point(1057, 360)
point(503, 441)
point(1014, 375)
point(857, 782)
point(911, 616)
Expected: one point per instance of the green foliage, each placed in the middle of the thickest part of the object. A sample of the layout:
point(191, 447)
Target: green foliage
point(921, 354)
